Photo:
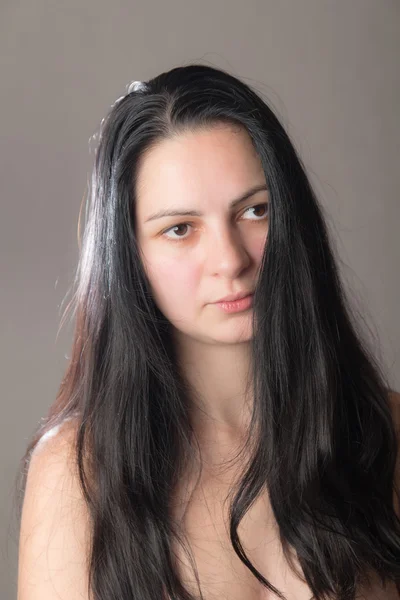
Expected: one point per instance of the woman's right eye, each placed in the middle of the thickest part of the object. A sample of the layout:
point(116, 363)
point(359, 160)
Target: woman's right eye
point(179, 238)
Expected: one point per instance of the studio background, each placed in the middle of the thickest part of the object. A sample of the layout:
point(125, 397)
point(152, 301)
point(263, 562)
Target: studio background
point(329, 68)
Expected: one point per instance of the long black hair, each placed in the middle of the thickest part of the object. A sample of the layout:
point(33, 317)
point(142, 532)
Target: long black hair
point(323, 435)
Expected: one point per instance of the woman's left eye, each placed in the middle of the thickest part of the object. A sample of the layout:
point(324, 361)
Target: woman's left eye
point(186, 225)
point(265, 204)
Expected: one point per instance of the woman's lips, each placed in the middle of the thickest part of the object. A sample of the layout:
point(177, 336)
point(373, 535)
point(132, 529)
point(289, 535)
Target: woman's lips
point(234, 306)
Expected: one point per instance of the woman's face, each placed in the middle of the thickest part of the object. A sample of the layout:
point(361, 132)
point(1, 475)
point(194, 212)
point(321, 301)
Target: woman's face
point(194, 260)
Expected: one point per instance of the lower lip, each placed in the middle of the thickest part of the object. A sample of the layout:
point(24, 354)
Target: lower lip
point(236, 305)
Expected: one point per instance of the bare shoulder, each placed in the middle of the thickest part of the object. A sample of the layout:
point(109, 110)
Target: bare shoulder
point(54, 531)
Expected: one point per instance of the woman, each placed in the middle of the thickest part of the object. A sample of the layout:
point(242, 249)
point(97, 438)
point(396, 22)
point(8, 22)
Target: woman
point(202, 446)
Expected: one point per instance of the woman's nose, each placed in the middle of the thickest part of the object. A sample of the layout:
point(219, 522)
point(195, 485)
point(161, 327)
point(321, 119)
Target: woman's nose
point(228, 254)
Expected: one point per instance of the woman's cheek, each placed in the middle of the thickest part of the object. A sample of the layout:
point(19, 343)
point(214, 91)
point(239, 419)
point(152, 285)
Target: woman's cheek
point(257, 249)
point(182, 275)
point(174, 283)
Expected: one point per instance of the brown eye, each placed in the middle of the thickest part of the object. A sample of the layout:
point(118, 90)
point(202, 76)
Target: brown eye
point(257, 207)
point(174, 227)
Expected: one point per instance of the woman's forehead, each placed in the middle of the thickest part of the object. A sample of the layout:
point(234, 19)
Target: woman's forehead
point(197, 167)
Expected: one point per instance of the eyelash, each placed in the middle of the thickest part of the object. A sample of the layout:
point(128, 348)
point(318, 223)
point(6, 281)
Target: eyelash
point(179, 239)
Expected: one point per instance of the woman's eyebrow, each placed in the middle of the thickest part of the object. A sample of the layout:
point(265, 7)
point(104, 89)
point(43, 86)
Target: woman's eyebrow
point(195, 213)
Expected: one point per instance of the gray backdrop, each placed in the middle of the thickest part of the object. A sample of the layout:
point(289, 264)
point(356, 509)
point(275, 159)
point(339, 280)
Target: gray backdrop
point(329, 68)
